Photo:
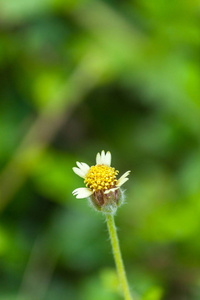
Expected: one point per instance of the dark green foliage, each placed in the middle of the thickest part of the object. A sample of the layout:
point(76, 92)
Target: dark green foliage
point(78, 77)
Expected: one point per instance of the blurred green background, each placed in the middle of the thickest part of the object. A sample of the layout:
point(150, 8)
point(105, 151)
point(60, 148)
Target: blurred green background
point(78, 77)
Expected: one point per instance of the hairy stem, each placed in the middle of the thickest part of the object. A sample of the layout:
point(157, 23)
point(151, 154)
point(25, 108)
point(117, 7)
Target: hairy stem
point(117, 256)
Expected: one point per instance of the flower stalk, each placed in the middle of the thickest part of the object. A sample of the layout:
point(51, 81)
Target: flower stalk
point(117, 256)
point(104, 193)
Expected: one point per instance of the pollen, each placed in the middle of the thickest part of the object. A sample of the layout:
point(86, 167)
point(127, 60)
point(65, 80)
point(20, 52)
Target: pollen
point(101, 177)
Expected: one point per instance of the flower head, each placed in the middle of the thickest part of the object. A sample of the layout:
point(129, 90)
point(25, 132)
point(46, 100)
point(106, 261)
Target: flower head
point(102, 185)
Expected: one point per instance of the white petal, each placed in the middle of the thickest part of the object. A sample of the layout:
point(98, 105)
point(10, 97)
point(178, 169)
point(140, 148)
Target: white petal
point(103, 157)
point(83, 166)
point(79, 164)
point(111, 190)
point(82, 193)
point(108, 158)
point(123, 178)
point(125, 175)
point(120, 181)
point(79, 172)
point(86, 167)
point(98, 159)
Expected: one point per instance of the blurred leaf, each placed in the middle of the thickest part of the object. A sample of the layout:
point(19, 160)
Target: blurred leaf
point(4, 241)
point(16, 11)
point(54, 177)
point(110, 280)
point(94, 290)
point(46, 88)
point(155, 293)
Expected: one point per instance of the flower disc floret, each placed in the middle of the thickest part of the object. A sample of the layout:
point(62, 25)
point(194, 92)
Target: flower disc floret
point(101, 177)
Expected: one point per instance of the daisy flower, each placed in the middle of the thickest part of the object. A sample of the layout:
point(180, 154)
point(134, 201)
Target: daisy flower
point(103, 190)
point(102, 185)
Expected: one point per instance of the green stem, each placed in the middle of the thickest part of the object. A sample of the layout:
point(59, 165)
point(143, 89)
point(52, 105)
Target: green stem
point(118, 257)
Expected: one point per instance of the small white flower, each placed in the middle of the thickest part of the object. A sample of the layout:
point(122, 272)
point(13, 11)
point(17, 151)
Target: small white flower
point(99, 179)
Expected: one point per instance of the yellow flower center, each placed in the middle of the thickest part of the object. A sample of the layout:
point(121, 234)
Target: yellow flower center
point(101, 177)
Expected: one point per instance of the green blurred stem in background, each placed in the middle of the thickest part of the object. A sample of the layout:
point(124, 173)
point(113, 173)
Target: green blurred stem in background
point(118, 257)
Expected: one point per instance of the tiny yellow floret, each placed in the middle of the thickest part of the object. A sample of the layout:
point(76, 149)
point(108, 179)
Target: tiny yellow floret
point(101, 177)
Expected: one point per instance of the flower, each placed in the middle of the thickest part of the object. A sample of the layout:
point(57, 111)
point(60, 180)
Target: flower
point(102, 185)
